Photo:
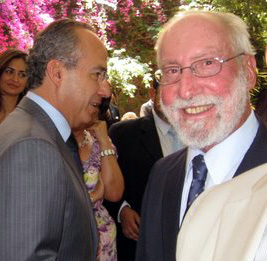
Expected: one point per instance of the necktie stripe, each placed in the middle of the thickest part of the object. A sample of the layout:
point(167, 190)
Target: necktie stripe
point(199, 179)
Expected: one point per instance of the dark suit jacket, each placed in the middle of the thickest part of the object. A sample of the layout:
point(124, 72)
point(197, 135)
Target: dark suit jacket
point(138, 147)
point(162, 200)
point(45, 211)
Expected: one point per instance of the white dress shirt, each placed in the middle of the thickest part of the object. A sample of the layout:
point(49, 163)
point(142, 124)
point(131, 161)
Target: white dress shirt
point(222, 160)
point(58, 119)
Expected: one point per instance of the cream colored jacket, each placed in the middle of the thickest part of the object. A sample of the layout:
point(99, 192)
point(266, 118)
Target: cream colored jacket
point(226, 222)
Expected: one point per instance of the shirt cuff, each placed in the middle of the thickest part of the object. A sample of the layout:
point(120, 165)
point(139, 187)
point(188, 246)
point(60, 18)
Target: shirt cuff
point(124, 204)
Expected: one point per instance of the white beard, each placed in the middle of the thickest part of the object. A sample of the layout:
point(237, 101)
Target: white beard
point(229, 111)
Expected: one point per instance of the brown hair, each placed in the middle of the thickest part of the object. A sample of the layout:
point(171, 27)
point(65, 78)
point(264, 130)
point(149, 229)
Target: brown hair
point(5, 58)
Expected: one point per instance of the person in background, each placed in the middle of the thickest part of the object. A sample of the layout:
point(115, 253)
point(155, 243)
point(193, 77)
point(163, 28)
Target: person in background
point(128, 116)
point(206, 70)
point(110, 112)
point(146, 108)
point(13, 80)
point(103, 180)
point(45, 209)
point(140, 143)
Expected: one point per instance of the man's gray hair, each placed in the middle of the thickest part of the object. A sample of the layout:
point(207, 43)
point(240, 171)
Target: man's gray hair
point(58, 41)
point(237, 28)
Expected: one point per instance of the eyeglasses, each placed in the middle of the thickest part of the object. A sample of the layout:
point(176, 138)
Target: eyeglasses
point(201, 68)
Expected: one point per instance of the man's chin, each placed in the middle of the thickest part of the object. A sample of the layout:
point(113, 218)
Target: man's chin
point(198, 137)
point(202, 139)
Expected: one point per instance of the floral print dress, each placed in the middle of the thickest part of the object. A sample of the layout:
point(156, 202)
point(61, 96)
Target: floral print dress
point(107, 250)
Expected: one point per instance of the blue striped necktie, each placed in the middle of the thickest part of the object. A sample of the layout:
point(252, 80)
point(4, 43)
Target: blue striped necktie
point(199, 179)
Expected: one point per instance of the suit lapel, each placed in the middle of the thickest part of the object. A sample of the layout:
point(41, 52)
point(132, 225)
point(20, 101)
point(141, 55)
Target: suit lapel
point(171, 204)
point(150, 139)
point(41, 116)
point(257, 153)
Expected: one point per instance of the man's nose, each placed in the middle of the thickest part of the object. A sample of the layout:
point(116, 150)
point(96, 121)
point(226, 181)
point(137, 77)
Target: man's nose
point(105, 89)
point(188, 87)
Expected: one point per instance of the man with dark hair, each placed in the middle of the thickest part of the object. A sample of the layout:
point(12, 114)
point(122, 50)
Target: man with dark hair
point(45, 210)
point(140, 143)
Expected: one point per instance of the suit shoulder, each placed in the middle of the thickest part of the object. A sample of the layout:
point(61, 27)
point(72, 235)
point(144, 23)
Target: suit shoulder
point(130, 125)
point(169, 164)
point(19, 126)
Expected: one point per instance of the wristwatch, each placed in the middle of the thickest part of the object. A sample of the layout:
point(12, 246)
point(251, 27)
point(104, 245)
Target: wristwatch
point(107, 152)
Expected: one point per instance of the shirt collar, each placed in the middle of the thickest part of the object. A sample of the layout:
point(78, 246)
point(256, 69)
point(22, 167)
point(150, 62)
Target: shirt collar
point(235, 147)
point(58, 119)
point(163, 126)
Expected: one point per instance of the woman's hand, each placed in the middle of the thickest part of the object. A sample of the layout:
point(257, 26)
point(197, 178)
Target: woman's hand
point(100, 132)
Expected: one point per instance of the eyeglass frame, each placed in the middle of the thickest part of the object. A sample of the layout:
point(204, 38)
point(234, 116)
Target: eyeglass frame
point(221, 62)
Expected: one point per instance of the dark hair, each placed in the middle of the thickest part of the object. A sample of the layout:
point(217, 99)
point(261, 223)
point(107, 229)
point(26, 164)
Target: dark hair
point(155, 84)
point(58, 41)
point(5, 58)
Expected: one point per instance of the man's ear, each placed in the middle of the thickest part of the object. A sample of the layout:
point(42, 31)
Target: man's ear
point(54, 71)
point(251, 71)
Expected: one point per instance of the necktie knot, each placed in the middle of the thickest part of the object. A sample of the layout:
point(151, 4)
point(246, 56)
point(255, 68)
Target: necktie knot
point(199, 168)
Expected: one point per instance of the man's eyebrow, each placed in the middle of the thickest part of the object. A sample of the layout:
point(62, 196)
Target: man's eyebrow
point(169, 63)
point(100, 68)
point(206, 53)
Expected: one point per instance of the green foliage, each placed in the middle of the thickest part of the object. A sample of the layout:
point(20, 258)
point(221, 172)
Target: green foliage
point(254, 13)
point(123, 70)
point(127, 75)
point(136, 33)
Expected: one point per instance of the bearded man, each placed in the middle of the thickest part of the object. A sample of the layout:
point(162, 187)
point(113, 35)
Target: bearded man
point(206, 70)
